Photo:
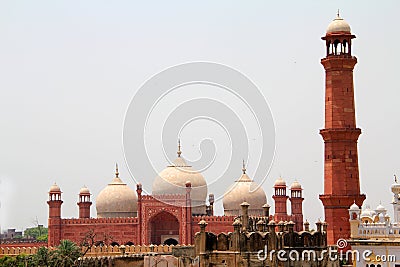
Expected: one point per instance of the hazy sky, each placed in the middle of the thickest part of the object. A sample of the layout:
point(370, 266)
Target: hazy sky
point(69, 69)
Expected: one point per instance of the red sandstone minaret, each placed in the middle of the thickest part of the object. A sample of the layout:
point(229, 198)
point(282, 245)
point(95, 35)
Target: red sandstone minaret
point(280, 200)
point(341, 177)
point(84, 203)
point(296, 201)
point(54, 222)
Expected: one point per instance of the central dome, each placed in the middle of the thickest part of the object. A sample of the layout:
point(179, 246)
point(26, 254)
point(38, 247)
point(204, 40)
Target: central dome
point(116, 200)
point(244, 190)
point(172, 180)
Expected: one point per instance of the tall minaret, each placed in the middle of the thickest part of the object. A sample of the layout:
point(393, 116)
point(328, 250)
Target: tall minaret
point(396, 200)
point(296, 203)
point(341, 176)
point(84, 203)
point(54, 223)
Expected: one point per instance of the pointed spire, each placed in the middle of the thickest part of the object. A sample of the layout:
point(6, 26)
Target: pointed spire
point(179, 148)
point(244, 168)
point(395, 178)
point(338, 13)
point(116, 170)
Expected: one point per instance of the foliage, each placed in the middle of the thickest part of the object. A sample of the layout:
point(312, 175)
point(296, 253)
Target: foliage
point(21, 260)
point(65, 255)
point(36, 232)
point(43, 257)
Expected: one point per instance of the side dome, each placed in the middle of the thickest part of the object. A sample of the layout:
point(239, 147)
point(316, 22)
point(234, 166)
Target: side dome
point(116, 200)
point(244, 190)
point(338, 25)
point(173, 179)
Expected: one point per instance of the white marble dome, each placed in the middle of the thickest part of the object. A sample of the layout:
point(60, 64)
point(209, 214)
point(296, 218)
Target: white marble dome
point(244, 190)
point(380, 209)
point(338, 25)
point(116, 200)
point(280, 182)
point(295, 185)
point(173, 179)
point(354, 207)
point(84, 190)
point(55, 188)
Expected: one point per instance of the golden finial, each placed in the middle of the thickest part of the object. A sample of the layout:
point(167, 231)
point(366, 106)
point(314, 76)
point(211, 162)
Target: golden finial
point(244, 167)
point(179, 148)
point(116, 170)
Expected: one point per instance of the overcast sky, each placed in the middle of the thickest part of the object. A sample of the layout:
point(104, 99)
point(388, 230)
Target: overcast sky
point(69, 69)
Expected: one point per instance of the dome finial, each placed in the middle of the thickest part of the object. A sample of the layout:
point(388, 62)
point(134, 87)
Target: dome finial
point(179, 148)
point(244, 168)
point(338, 13)
point(116, 170)
point(395, 178)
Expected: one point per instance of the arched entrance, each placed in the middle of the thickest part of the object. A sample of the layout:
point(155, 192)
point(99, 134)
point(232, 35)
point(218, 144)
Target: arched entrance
point(162, 227)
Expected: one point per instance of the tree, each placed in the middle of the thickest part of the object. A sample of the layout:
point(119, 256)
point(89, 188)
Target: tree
point(90, 240)
point(66, 254)
point(43, 257)
point(39, 233)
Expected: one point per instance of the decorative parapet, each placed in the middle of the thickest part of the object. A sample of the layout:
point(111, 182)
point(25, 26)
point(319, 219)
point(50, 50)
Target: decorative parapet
point(98, 251)
point(209, 219)
point(99, 220)
point(379, 230)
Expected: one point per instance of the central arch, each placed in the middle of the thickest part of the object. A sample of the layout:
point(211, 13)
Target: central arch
point(163, 226)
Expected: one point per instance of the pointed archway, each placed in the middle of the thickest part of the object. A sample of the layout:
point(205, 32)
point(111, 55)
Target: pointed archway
point(163, 226)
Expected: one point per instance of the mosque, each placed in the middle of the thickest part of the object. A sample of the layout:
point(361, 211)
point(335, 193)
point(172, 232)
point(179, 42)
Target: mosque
point(172, 213)
point(178, 201)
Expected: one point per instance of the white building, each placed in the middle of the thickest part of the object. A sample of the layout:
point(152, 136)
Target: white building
point(375, 238)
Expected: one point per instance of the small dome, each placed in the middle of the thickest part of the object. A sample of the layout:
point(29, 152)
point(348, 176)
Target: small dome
point(84, 191)
point(338, 25)
point(173, 180)
point(55, 189)
point(295, 185)
point(280, 182)
point(116, 200)
point(354, 207)
point(380, 208)
point(244, 190)
point(367, 212)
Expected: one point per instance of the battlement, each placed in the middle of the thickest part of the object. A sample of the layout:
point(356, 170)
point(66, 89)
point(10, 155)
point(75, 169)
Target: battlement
point(133, 220)
point(164, 197)
point(214, 218)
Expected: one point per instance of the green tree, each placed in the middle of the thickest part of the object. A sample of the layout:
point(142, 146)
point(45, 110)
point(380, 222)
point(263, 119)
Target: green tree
point(43, 257)
point(36, 232)
point(66, 254)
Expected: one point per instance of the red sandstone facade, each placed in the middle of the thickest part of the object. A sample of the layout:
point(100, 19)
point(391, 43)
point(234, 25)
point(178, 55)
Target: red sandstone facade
point(159, 220)
point(341, 176)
